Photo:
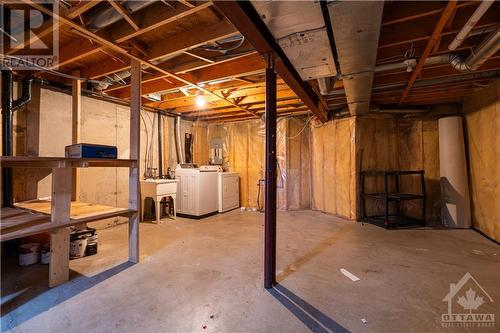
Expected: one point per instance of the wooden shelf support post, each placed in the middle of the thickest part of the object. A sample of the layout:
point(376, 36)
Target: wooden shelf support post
point(59, 238)
point(135, 129)
point(76, 116)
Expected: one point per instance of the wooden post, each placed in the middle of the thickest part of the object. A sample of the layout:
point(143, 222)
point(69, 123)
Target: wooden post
point(75, 130)
point(59, 238)
point(135, 129)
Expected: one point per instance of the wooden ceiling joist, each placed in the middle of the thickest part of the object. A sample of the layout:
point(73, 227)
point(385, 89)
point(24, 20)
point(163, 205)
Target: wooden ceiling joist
point(124, 13)
point(122, 51)
point(202, 34)
point(165, 38)
point(246, 96)
point(151, 18)
point(81, 8)
point(249, 103)
point(48, 26)
point(241, 66)
point(403, 12)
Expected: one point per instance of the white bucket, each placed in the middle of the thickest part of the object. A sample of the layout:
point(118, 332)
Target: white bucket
point(29, 254)
point(45, 257)
point(92, 239)
point(77, 247)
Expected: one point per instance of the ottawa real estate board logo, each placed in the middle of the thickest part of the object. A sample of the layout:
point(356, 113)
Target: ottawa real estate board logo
point(465, 300)
point(29, 35)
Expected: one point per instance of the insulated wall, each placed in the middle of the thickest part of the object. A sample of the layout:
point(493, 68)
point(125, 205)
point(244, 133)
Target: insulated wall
point(394, 143)
point(341, 148)
point(482, 116)
point(244, 153)
point(298, 163)
point(333, 160)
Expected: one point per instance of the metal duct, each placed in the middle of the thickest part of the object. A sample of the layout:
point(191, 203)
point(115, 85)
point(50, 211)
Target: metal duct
point(299, 29)
point(103, 18)
point(412, 63)
point(356, 28)
point(464, 32)
point(112, 79)
point(483, 52)
point(325, 85)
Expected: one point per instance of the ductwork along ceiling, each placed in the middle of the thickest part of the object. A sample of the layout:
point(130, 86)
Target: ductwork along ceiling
point(300, 30)
point(356, 29)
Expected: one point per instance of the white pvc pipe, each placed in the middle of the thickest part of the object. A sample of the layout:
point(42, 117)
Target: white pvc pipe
point(180, 148)
point(455, 202)
point(464, 32)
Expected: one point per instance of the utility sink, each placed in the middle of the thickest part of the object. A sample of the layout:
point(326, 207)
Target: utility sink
point(158, 189)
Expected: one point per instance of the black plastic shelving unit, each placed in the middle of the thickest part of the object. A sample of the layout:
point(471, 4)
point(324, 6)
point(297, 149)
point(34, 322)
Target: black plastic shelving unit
point(388, 219)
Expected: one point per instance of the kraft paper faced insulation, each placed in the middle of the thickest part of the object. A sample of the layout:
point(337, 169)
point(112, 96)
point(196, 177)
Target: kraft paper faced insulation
point(482, 116)
point(391, 143)
point(334, 167)
point(244, 152)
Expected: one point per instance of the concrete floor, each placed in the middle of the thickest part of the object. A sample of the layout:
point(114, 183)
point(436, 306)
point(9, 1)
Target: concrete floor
point(206, 276)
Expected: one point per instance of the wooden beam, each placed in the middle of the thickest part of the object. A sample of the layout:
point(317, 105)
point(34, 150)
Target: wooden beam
point(173, 65)
point(59, 238)
point(182, 41)
point(209, 114)
point(194, 55)
point(251, 95)
point(81, 8)
point(151, 18)
point(124, 13)
point(186, 3)
point(246, 19)
point(76, 115)
point(398, 12)
point(48, 26)
point(243, 65)
point(135, 144)
point(121, 50)
point(414, 31)
point(445, 16)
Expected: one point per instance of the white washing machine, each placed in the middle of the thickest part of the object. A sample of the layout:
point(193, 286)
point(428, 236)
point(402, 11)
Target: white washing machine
point(197, 190)
point(229, 191)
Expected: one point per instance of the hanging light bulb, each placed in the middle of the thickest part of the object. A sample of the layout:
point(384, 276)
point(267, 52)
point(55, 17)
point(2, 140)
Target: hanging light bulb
point(200, 101)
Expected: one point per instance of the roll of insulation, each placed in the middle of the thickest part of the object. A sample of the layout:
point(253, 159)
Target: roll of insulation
point(455, 202)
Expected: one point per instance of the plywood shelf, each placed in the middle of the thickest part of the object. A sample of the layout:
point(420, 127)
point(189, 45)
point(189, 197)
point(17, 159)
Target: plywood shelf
point(63, 162)
point(33, 217)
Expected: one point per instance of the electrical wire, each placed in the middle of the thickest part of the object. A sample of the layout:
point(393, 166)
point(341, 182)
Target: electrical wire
point(302, 130)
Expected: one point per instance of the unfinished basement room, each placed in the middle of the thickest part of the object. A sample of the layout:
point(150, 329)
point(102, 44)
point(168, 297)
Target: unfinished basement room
point(250, 166)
